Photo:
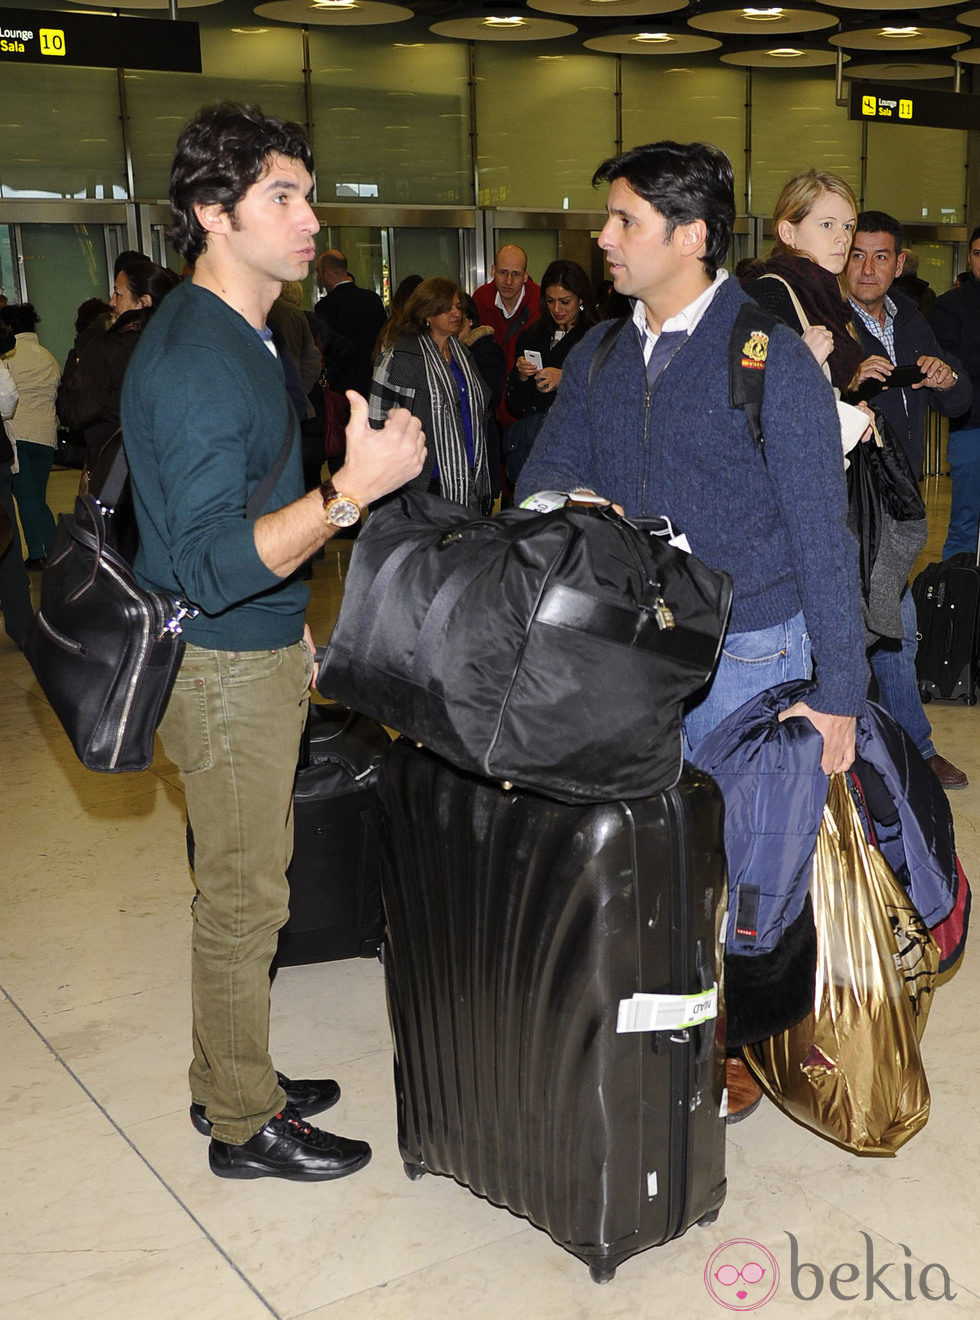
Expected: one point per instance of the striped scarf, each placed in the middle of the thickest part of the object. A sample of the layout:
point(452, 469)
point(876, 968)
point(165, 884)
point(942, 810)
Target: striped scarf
point(414, 375)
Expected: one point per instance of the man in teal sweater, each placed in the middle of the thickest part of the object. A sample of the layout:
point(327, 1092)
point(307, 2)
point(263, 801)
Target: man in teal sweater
point(206, 419)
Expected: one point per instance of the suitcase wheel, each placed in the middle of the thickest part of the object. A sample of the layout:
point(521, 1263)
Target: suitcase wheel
point(413, 1171)
point(602, 1273)
point(709, 1218)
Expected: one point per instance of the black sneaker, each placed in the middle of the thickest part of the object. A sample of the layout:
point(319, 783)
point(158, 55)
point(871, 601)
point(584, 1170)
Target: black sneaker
point(286, 1147)
point(306, 1097)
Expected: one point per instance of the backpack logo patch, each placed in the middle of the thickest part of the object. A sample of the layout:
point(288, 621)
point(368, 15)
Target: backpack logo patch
point(755, 350)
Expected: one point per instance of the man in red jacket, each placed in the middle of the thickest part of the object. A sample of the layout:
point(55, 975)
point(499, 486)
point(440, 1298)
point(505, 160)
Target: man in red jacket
point(510, 300)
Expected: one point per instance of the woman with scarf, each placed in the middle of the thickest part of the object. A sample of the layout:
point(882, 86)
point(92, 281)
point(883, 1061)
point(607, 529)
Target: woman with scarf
point(799, 281)
point(428, 371)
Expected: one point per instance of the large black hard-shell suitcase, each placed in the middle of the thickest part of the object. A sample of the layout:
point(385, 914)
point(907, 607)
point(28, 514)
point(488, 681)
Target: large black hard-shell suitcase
point(947, 607)
point(335, 873)
point(516, 927)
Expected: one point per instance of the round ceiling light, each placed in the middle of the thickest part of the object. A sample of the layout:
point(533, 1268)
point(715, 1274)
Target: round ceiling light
point(895, 37)
point(782, 56)
point(502, 27)
point(648, 41)
point(606, 8)
point(901, 71)
point(762, 22)
point(351, 13)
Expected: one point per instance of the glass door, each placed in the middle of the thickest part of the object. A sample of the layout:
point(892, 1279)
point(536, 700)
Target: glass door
point(56, 257)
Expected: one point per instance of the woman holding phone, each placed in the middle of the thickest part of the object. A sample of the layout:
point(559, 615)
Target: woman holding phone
point(568, 309)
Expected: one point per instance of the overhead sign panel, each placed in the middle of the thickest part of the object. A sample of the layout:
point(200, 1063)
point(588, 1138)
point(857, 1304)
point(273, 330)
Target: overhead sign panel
point(28, 36)
point(887, 103)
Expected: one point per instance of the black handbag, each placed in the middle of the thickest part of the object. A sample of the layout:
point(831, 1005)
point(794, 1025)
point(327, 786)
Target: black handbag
point(888, 518)
point(105, 651)
point(552, 651)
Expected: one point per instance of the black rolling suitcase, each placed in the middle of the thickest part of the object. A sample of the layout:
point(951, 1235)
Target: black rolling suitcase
point(335, 873)
point(520, 932)
point(947, 608)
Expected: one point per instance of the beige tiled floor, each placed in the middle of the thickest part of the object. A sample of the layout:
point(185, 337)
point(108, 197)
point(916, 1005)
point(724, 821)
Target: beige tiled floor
point(107, 1207)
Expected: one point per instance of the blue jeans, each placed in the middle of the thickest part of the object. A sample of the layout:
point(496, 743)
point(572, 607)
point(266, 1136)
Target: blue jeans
point(30, 492)
point(751, 662)
point(894, 667)
point(233, 729)
point(964, 511)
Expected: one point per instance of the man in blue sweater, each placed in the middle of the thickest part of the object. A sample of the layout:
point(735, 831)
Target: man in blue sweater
point(206, 421)
point(893, 332)
point(655, 432)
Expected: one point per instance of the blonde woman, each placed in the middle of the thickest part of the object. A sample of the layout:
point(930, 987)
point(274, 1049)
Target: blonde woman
point(799, 280)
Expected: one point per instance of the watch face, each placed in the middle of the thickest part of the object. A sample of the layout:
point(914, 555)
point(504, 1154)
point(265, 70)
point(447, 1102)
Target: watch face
point(342, 512)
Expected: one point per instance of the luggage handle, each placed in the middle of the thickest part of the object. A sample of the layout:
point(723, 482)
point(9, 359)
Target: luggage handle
point(706, 980)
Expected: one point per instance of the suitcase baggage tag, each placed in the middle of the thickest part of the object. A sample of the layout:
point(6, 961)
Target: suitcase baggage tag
point(667, 1012)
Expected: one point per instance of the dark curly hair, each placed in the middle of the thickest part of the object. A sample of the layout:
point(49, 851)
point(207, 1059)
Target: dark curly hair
point(220, 154)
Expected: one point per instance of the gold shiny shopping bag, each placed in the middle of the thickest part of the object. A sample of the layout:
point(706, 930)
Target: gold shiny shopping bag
point(851, 1070)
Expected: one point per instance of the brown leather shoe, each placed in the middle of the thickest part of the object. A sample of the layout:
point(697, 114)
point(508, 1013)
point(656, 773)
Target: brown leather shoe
point(947, 773)
point(744, 1092)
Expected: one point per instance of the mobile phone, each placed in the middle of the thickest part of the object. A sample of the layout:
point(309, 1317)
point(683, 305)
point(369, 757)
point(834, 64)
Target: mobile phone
point(534, 357)
point(902, 377)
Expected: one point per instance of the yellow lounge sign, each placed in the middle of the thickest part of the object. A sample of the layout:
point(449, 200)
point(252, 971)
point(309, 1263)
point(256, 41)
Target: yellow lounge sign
point(885, 103)
point(28, 36)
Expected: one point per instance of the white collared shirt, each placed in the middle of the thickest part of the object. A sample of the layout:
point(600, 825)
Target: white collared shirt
point(499, 302)
point(686, 319)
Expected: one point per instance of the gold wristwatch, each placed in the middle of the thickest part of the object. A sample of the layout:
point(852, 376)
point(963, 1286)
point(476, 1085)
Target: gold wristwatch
point(341, 510)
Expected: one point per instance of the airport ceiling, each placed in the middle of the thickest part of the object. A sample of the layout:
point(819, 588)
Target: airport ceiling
point(925, 39)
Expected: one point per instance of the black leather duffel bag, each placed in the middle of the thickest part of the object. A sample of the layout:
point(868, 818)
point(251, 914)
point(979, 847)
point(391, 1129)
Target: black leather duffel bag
point(552, 651)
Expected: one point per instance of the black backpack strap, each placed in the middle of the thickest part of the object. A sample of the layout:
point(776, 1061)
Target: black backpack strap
point(268, 483)
point(606, 344)
point(112, 487)
point(119, 471)
point(748, 350)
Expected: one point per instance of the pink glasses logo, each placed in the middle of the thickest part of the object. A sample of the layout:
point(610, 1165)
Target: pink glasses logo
point(741, 1275)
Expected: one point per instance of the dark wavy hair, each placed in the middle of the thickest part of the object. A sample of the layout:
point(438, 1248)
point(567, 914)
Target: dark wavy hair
point(88, 311)
point(567, 275)
point(20, 317)
point(684, 182)
point(147, 278)
point(220, 154)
